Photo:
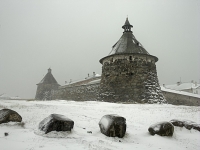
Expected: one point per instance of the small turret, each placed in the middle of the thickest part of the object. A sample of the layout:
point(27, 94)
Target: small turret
point(127, 26)
point(49, 70)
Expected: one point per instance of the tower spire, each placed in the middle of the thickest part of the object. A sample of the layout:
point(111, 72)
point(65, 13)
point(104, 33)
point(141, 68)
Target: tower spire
point(127, 26)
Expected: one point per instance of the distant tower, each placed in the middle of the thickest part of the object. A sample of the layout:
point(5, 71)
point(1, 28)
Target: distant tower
point(46, 87)
point(129, 72)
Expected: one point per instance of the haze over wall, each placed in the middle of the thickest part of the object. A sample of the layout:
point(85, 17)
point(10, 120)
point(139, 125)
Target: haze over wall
point(71, 36)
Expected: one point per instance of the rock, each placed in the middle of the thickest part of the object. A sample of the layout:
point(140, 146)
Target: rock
point(6, 134)
point(196, 127)
point(186, 123)
point(89, 132)
point(56, 122)
point(7, 115)
point(113, 126)
point(176, 122)
point(162, 129)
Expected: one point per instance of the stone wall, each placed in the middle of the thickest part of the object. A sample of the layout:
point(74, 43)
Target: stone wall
point(130, 78)
point(87, 92)
point(44, 91)
point(179, 99)
point(90, 93)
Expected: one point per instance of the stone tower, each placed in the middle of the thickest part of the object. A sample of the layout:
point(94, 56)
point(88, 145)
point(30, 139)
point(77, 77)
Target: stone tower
point(46, 87)
point(129, 72)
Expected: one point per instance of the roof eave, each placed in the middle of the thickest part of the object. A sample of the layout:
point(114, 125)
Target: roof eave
point(101, 60)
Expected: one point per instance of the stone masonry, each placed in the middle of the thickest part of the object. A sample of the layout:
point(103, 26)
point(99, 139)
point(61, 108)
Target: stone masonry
point(130, 78)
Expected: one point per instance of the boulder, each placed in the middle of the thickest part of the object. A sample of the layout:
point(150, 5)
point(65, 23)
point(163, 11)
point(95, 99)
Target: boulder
point(162, 129)
point(7, 115)
point(56, 122)
point(196, 126)
point(113, 126)
point(176, 122)
point(186, 123)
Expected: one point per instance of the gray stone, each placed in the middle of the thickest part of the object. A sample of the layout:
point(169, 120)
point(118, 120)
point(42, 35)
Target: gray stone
point(176, 122)
point(56, 122)
point(196, 127)
point(7, 115)
point(186, 123)
point(5, 134)
point(113, 126)
point(162, 129)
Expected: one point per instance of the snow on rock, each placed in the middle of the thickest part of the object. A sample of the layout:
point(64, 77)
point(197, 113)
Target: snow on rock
point(113, 125)
point(56, 122)
point(186, 123)
point(162, 128)
point(7, 115)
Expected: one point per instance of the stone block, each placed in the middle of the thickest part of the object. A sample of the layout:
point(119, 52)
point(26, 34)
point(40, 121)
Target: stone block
point(7, 115)
point(186, 123)
point(113, 126)
point(56, 122)
point(162, 129)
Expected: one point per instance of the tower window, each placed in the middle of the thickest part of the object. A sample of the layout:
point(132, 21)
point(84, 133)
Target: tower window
point(111, 60)
point(130, 58)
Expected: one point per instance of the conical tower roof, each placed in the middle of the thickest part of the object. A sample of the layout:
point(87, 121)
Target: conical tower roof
point(48, 78)
point(128, 43)
point(126, 24)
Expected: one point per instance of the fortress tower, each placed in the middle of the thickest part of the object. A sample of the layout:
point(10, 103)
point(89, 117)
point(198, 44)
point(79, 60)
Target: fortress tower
point(129, 72)
point(46, 86)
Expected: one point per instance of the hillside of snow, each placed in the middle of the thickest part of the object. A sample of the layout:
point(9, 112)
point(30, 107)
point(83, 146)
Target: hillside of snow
point(86, 116)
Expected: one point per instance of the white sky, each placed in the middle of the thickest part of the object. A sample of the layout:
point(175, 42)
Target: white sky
point(72, 36)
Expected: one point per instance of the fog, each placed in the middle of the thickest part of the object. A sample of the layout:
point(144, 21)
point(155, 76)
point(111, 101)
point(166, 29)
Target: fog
point(70, 37)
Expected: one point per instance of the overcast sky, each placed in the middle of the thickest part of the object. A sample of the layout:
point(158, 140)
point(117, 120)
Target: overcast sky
point(70, 37)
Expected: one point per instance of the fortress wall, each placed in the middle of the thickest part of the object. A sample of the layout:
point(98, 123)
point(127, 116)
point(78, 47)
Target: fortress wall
point(87, 92)
point(90, 93)
point(178, 99)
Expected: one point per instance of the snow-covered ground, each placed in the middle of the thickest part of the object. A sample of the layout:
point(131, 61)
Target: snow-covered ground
point(86, 116)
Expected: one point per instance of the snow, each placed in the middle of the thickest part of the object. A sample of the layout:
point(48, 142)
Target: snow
point(105, 122)
point(86, 116)
point(179, 92)
point(94, 76)
point(5, 96)
point(94, 81)
point(182, 86)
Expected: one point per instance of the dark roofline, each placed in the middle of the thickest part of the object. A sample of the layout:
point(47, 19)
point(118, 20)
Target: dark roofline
point(101, 60)
point(48, 83)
